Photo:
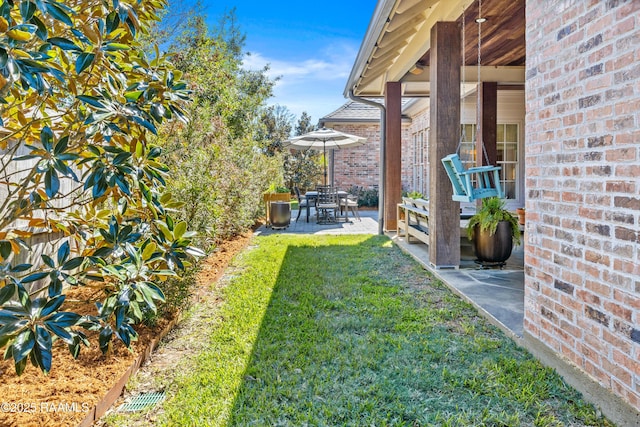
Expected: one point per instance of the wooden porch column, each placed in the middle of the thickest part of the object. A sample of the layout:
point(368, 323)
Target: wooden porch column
point(392, 155)
point(488, 119)
point(444, 213)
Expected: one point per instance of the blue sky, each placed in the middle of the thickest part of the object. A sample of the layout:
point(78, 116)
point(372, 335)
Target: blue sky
point(311, 45)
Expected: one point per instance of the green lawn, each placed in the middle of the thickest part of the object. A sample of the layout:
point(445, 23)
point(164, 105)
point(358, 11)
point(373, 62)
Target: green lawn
point(350, 331)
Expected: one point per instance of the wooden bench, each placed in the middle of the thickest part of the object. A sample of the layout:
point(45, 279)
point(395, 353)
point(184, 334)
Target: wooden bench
point(413, 220)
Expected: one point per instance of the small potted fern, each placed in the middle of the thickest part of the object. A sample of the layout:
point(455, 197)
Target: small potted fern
point(493, 231)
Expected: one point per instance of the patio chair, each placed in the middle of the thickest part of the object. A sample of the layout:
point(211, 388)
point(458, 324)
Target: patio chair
point(303, 203)
point(327, 204)
point(350, 202)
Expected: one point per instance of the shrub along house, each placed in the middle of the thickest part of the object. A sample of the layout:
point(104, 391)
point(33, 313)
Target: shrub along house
point(558, 102)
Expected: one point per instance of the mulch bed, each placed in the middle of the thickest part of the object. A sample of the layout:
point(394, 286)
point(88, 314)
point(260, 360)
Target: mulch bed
point(73, 388)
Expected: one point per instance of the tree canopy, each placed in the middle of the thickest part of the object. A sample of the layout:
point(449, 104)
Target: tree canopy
point(220, 171)
point(303, 168)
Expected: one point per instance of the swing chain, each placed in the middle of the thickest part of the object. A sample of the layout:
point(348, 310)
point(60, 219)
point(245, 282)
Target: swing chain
point(463, 134)
point(487, 178)
point(480, 20)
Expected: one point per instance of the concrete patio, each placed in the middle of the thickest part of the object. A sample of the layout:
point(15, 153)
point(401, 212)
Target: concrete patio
point(498, 294)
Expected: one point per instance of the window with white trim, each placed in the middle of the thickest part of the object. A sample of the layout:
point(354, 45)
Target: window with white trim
point(419, 150)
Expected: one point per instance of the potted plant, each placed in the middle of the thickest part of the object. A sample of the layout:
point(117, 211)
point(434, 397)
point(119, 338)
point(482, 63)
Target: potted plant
point(277, 194)
point(493, 231)
point(411, 196)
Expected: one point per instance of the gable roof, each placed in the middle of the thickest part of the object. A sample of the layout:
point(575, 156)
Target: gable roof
point(357, 112)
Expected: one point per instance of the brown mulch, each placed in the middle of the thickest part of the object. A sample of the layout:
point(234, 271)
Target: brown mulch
point(73, 387)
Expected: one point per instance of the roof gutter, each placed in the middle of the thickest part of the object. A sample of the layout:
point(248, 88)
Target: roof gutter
point(383, 143)
point(378, 22)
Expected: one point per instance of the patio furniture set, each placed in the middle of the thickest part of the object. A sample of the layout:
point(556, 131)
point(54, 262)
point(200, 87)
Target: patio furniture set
point(331, 205)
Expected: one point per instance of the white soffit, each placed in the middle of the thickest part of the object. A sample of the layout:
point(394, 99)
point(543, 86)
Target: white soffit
point(404, 38)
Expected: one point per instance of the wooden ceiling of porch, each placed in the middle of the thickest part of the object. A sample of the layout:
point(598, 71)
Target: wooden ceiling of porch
point(401, 51)
point(503, 41)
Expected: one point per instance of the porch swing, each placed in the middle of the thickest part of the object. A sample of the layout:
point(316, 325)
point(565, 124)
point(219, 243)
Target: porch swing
point(487, 178)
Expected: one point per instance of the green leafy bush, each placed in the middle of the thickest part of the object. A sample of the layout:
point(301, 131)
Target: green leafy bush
point(369, 197)
point(79, 99)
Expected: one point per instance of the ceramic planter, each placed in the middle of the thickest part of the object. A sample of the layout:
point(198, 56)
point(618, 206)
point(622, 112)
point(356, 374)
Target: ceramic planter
point(494, 248)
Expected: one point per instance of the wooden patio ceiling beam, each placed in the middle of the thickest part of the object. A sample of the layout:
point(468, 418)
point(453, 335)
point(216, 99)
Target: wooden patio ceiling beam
point(422, 89)
point(405, 5)
point(381, 65)
point(403, 21)
point(383, 56)
point(409, 19)
point(421, 40)
point(490, 73)
point(394, 40)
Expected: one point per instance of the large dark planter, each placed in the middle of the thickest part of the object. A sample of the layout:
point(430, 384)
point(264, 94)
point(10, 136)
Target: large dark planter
point(274, 197)
point(280, 214)
point(496, 248)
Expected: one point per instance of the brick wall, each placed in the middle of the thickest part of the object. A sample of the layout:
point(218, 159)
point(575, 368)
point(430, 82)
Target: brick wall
point(358, 165)
point(406, 174)
point(406, 177)
point(582, 278)
point(419, 124)
point(361, 165)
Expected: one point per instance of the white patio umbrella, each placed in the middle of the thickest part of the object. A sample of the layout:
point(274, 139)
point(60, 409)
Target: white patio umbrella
point(326, 139)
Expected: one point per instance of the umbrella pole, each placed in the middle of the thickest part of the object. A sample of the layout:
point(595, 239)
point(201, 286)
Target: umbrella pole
point(324, 156)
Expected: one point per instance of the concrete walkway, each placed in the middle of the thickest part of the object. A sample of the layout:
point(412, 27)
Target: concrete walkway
point(368, 224)
point(497, 293)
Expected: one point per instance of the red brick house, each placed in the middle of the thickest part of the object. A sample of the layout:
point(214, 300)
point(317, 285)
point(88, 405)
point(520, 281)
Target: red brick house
point(563, 80)
point(359, 166)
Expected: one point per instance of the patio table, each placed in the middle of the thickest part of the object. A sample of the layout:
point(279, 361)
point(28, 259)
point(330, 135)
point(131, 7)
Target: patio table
point(312, 196)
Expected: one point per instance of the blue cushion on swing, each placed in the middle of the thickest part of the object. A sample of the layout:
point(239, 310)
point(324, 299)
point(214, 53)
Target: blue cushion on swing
point(461, 179)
